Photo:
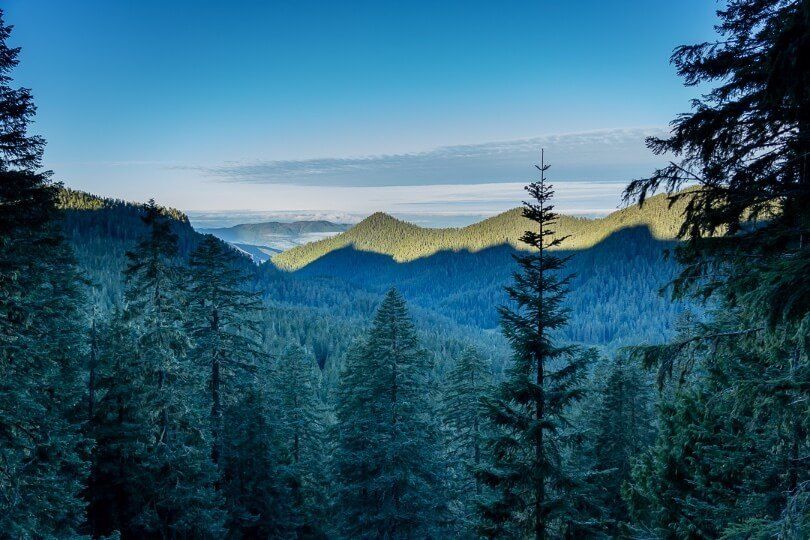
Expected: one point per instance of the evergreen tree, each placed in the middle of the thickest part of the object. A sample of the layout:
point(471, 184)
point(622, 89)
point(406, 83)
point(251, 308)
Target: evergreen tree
point(723, 461)
point(41, 336)
point(177, 472)
point(746, 225)
point(747, 147)
point(119, 428)
point(533, 491)
point(222, 316)
point(619, 418)
point(387, 460)
point(257, 485)
point(301, 427)
point(465, 419)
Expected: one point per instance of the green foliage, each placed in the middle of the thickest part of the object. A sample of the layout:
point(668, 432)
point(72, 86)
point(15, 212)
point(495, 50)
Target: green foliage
point(387, 463)
point(256, 484)
point(731, 457)
point(733, 430)
point(222, 320)
point(533, 492)
point(302, 432)
point(746, 145)
point(176, 470)
point(119, 428)
point(42, 447)
point(465, 430)
point(617, 284)
point(615, 425)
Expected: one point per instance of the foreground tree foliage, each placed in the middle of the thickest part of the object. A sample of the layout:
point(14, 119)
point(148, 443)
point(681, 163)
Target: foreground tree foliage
point(222, 322)
point(42, 469)
point(257, 484)
point(302, 430)
point(732, 456)
point(175, 480)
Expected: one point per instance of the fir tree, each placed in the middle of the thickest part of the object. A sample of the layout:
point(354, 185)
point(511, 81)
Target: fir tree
point(222, 317)
point(722, 463)
point(177, 472)
point(41, 343)
point(746, 223)
point(746, 146)
point(257, 484)
point(119, 428)
point(620, 427)
point(532, 488)
point(387, 461)
point(465, 419)
point(301, 427)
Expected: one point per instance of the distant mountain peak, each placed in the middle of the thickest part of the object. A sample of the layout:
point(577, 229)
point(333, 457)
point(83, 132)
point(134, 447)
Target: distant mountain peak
point(381, 219)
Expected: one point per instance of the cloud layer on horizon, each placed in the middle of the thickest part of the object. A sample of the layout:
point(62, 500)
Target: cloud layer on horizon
point(605, 155)
point(437, 205)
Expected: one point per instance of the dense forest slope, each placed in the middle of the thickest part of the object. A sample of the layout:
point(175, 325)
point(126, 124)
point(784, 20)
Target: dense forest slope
point(322, 314)
point(618, 262)
point(454, 293)
point(381, 233)
point(615, 298)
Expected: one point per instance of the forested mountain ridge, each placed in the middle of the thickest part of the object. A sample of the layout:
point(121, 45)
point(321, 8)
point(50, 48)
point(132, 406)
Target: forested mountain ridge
point(615, 301)
point(72, 199)
point(617, 280)
point(384, 234)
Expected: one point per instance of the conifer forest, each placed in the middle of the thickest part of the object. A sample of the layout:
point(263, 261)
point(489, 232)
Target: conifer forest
point(640, 375)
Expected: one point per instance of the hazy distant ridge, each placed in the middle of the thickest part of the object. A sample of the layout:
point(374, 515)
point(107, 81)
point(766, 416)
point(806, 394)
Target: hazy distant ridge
point(258, 233)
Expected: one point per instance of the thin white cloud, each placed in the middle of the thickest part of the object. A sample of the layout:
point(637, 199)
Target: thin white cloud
point(615, 154)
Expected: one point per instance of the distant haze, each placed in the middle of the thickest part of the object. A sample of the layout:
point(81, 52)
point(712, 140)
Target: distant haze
point(431, 206)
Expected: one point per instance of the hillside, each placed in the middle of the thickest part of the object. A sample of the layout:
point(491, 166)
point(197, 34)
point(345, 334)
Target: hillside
point(323, 315)
point(615, 298)
point(386, 235)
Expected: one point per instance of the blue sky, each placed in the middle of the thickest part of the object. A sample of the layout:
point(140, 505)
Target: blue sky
point(315, 105)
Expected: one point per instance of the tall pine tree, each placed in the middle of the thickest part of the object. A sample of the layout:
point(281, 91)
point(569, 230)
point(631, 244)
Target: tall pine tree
point(257, 484)
point(746, 149)
point(176, 470)
point(387, 463)
point(222, 319)
point(619, 420)
point(118, 428)
point(42, 349)
point(301, 428)
point(532, 488)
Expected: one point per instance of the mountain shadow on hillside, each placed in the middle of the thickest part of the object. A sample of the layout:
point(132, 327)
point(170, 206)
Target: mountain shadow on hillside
point(617, 284)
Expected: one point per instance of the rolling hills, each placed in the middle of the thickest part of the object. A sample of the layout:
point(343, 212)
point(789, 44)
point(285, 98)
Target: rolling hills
point(383, 234)
point(453, 279)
